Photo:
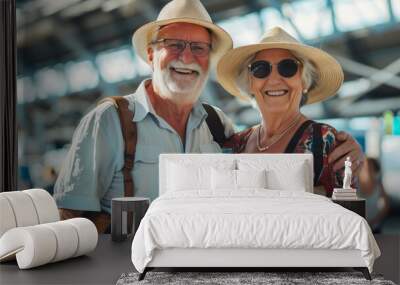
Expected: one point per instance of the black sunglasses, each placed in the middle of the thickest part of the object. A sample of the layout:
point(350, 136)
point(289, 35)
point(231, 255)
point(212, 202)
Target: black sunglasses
point(286, 68)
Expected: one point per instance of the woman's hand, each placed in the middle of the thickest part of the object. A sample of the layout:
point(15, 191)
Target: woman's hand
point(347, 146)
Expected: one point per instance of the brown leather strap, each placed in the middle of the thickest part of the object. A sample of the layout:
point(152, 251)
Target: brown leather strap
point(129, 133)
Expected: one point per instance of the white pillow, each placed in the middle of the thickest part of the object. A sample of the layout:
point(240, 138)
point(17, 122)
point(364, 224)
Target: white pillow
point(280, 174)
point(187, 174)
point(251, 178)
point(183, 177)
point(223, 179)
point(293, 179)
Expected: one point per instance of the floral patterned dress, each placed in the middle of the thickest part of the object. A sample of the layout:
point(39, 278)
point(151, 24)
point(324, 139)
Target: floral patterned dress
point(311, 137)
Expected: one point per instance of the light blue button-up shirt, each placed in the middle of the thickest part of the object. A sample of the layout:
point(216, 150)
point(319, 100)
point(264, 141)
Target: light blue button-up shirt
point(92, 171)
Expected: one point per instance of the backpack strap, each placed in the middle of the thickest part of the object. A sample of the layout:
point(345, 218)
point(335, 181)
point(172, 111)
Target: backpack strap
point(316, 148)
point(297, 136)
point(318, 151)
point(215, 125)
point(129, 134)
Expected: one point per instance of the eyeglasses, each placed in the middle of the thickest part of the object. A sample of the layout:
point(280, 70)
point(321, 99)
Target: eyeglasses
point(286, 68)
point(177, 46)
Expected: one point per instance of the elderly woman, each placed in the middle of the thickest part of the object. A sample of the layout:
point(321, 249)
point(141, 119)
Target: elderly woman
point(280, 75)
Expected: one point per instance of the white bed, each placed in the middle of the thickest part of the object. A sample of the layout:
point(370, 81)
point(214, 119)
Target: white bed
point(202, 219)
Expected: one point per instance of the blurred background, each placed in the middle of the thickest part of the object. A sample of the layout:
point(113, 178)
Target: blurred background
point(72, 53)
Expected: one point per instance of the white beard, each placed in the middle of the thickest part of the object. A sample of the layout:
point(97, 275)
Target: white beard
point(176, 87)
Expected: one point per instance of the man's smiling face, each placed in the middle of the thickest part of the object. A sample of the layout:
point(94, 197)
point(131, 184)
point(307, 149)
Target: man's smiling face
point(180, 76)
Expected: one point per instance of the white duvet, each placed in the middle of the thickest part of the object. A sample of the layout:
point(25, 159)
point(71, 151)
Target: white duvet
point(254, 218)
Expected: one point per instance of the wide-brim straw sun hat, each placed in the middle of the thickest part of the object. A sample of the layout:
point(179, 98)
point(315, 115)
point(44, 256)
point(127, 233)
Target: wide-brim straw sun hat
point(329, 72)
point(183, 11)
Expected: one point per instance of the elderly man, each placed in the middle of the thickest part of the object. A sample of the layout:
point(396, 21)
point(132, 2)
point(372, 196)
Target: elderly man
point(180, 47)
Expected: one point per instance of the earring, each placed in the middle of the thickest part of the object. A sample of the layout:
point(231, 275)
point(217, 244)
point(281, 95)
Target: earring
point(305, 91)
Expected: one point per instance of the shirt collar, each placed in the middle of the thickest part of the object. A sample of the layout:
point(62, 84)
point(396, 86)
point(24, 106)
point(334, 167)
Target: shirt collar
point(198, 110)
point(139, 102)
point(141, 105)
point(197, 116)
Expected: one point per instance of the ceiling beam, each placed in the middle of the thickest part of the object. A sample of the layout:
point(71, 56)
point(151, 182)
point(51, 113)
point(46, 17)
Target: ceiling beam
point(277, 5)
point(329, 4)
point(68, 35)
point(369, 107)
point(377, 76)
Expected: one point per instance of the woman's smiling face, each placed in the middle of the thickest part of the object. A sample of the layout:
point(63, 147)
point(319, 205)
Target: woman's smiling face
point(276, 93)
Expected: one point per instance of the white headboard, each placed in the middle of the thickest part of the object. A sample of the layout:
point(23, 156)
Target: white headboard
point(210, 159)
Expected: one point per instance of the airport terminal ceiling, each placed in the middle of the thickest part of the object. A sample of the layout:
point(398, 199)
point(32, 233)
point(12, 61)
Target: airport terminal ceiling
point(73, 51)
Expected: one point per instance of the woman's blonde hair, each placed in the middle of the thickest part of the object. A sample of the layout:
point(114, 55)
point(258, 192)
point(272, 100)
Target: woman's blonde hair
point(309, 76)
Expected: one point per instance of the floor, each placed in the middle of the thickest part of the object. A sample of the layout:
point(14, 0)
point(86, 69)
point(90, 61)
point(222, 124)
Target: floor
point(96, 268)
point(389, 262)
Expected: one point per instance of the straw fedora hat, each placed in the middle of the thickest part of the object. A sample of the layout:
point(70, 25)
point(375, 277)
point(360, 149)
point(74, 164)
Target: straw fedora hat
point(329, 71)
point(187, 11)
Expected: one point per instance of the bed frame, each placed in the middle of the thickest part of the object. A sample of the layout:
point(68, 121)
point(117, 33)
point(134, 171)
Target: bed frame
point(247, 259)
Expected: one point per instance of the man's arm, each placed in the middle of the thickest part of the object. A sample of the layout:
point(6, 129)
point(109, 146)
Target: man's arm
point(348, 146)
point(90, 165)
point(100, 220)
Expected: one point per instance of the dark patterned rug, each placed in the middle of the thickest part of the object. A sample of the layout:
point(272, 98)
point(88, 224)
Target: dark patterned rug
point(229, 278)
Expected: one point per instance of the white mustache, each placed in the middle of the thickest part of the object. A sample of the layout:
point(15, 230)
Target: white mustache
point(180, 64)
